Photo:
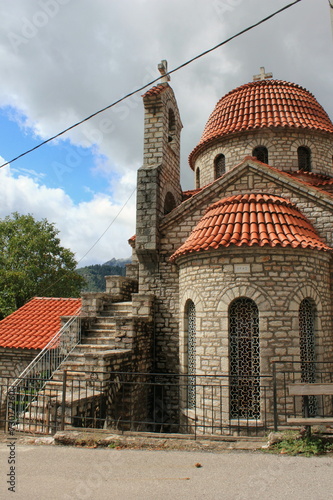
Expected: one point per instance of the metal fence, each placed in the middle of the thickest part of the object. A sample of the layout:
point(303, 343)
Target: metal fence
point(132, 401)
point(129, 401)
point(290, 406)
point(41, 369)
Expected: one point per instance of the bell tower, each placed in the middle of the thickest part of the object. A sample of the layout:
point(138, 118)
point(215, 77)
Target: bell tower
point(159, 189)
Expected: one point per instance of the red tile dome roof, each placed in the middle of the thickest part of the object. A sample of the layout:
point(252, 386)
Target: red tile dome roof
point(251, 219)
point(262, 104)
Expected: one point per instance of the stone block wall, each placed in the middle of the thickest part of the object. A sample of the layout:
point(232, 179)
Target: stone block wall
point(277, 280)
point(282, 145)
point(162, 278)
point(14, 361)
point(120, 288)
point(159, 176)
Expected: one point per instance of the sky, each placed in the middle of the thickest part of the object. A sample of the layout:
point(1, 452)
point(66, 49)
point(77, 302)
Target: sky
point(63, 60)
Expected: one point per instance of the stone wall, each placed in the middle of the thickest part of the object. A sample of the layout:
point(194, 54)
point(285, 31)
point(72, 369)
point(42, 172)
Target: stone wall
point(159, 176)
point(162, 279)
point(127, 394)
point(14, 361)
point(277, 280)
point(118, 289)
point(282, 145)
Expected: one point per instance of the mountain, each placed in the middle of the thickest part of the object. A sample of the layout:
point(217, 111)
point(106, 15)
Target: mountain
point(95, 274)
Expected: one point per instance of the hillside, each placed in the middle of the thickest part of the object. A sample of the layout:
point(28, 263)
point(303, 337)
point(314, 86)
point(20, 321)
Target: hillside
point(95, 274)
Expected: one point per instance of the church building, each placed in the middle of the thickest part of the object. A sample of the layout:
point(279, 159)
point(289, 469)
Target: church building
point(241, 266)
point(229, 295)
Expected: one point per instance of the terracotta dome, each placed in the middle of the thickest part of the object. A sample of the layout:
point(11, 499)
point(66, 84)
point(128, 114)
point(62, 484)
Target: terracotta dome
point(262, 104)
point(251, 219)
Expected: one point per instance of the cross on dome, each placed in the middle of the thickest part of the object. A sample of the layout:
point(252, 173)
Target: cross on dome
point(163, 69)
point(262, 75)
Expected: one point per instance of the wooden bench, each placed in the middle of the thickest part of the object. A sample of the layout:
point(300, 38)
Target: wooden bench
point(306, 390)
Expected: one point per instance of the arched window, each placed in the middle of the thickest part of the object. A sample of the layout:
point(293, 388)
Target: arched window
point(307, 313)
point(169, 203)
point(197, 178)
point(261, 153)
point(244, 359)
point(190, 347)
point(304, 159)
point(219, 166)
point(172, 125)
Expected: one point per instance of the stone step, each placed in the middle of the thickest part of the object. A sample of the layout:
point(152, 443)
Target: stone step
point(70, 375)
point(91, 347)
point(103, 322)
point(83, 357)
point(35, 429)
point(110, 341)
point(99, 333)
point(118, 309)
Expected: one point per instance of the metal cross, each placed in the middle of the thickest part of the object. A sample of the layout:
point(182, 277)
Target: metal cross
point(262, 75)
point(163, 69)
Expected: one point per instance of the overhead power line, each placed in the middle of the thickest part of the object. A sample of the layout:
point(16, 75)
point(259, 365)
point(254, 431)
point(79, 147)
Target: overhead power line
point(152, 82)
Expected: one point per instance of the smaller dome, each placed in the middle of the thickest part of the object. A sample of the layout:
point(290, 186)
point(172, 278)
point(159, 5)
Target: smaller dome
point(262, 104)
point(251, 220)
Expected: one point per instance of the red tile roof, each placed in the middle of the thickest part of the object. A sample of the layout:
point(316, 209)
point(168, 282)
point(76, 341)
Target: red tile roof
point(266, 103)
point(158, 89)
point(251, 219)
point(190, 192)
point(312, 178)
point(34, 324)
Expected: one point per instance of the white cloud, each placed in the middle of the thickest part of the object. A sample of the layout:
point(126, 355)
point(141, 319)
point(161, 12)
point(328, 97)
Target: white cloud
point(80, 225)
point(61, 65)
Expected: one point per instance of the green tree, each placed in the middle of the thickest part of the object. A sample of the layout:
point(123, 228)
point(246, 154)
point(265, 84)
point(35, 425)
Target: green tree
point(33, 263)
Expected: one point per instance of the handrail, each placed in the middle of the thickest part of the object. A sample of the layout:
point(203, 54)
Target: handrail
point(35, 376)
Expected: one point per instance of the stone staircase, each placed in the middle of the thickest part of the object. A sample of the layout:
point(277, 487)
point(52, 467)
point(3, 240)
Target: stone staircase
point(85, 375)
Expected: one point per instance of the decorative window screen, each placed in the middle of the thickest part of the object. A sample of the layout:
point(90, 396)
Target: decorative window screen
point(261, 153)
point(304, 159)
point(219, 166)
point(307, 348)
point(191, 348)
point(244, 359)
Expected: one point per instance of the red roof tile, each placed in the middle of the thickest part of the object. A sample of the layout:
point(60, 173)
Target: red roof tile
point(158, 89)
point(34, 324)
point(190, 192)
point(262, 104)
point(312, 178)
point(251, 219)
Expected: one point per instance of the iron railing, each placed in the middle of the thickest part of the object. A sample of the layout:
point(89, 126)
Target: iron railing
point(153, 402)
point(130, 401)
point(40, 370)
point(287, 406)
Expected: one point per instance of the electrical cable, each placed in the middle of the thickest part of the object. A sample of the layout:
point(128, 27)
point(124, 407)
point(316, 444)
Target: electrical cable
point(129, 95)
point(45, 289)
point(152, 82)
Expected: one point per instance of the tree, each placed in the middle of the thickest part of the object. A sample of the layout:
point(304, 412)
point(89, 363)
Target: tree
point(33, 263)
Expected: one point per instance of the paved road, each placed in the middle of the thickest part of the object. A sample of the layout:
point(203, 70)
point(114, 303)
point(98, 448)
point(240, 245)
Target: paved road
point(54, 473)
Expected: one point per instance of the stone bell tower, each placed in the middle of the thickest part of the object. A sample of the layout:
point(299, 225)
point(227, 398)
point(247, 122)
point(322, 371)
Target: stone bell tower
point(159, 189)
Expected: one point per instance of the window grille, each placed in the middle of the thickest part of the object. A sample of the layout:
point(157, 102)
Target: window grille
point(307, 348)
point(304, 159)
point(219, 166)
point(261, 153)
point(244, 359)
point(197, 178)
point(191, 354)
point(172, 125)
